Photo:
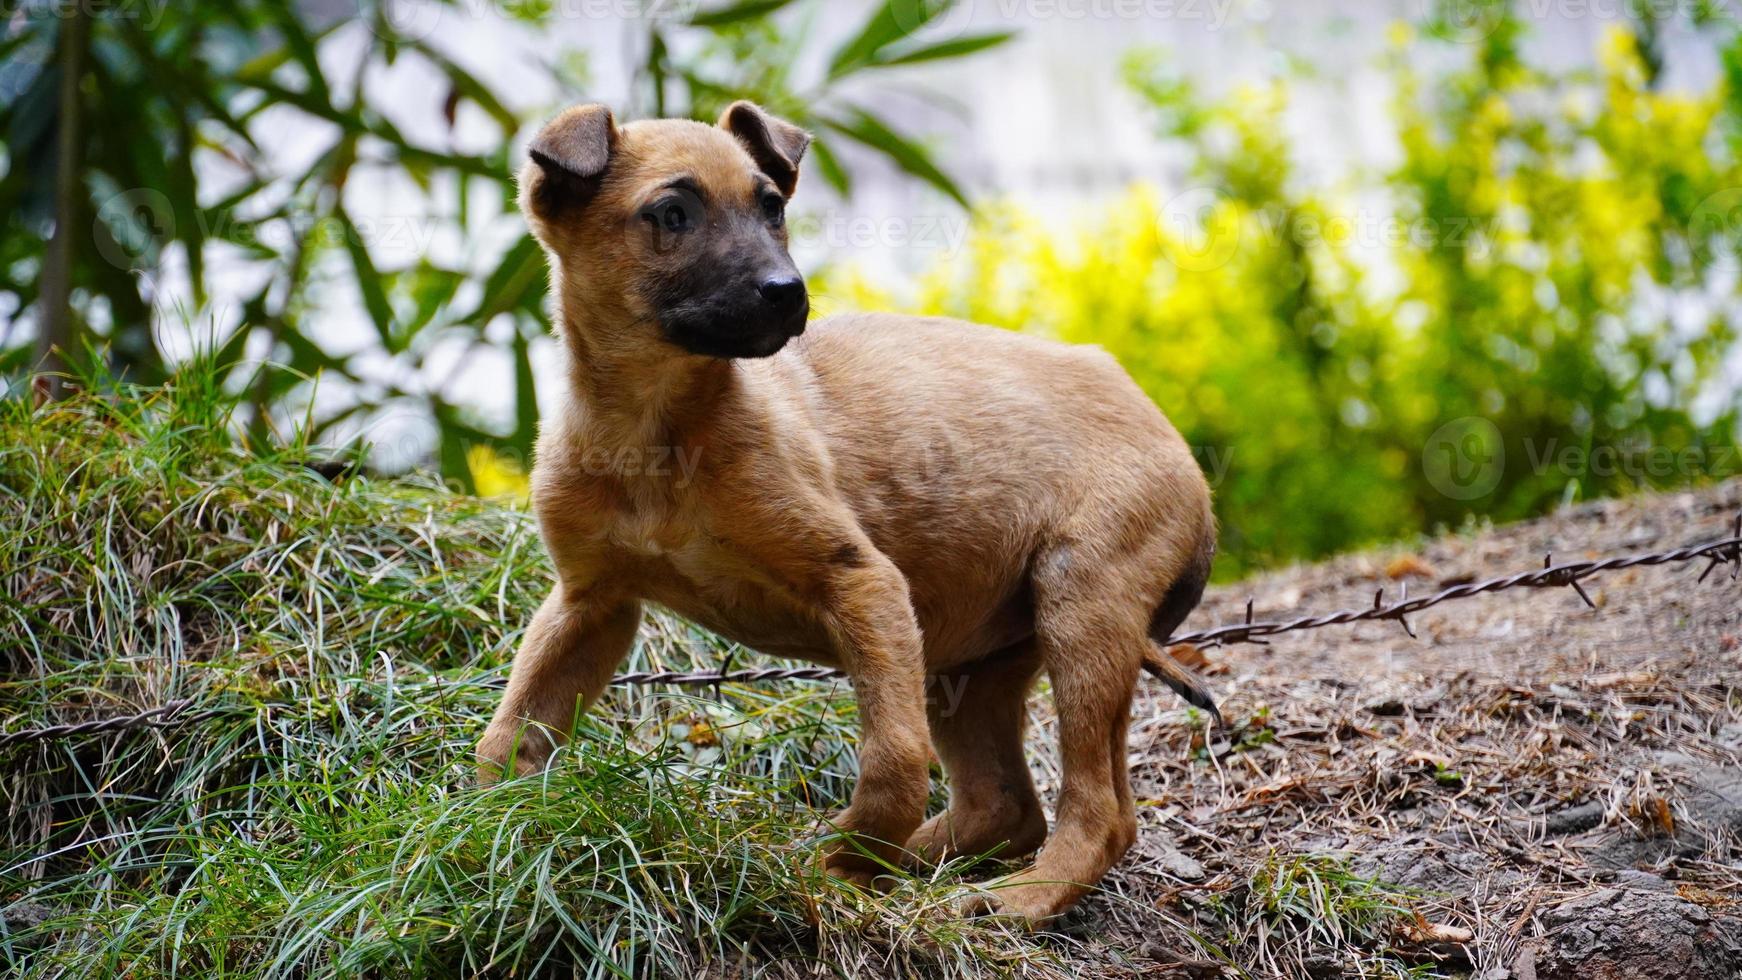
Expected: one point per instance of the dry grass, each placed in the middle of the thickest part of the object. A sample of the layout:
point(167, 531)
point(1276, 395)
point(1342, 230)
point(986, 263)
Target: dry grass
point(1435, 769)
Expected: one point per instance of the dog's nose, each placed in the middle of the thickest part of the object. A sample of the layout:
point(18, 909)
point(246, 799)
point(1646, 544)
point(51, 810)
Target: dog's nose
point(785, 294)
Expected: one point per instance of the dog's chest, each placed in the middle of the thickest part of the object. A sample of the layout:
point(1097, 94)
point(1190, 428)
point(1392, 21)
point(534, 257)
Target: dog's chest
point(713, 585)
point(654, 539)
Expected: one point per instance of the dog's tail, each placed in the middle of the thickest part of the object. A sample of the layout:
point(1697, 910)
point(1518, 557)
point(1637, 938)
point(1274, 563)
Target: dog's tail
point(1161, 665)
point(1182, 597)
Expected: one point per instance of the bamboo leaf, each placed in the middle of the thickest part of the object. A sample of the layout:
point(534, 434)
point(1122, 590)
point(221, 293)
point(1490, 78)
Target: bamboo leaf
point(735, 12)
point(863, 127)
point(954, 48)
point(471, 88)
point(430, 288)
point(301, 47)
point(452, 445)
point(369, 282)
point(830, 167)
point(889, 23)
point(517, 275)
point(525, 397)
point(263, 66)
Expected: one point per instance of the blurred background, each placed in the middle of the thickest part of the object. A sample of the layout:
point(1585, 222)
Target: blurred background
point(1390, 266)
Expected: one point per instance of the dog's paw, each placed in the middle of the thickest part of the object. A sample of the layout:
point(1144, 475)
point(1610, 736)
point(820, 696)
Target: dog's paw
point(859, 859)
point(950, 837)
point(869, 882)
point(492, 765)
point(843, 862)
point(1031, 906)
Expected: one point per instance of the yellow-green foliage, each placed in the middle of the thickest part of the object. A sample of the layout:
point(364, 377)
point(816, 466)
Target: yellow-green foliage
point(1493, 339)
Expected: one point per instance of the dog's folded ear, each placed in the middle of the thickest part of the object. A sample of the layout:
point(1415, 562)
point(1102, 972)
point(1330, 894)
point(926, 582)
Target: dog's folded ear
point(775, 144)
point(570, 155)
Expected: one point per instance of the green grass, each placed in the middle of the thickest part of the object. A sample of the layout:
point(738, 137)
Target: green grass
point(1298, 906)
point(357, 632)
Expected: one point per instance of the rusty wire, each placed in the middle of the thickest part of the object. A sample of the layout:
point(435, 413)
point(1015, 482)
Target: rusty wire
point(1727, 551)
point(1550, 575)
point(167, 715)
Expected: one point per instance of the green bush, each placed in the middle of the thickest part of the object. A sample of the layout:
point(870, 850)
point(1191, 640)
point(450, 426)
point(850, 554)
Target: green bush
point(1540, 312)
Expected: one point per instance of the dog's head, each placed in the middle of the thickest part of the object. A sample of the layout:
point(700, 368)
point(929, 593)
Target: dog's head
point(671, 230)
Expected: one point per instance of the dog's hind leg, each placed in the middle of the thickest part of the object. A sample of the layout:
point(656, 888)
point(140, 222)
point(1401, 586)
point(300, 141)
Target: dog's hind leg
point(1090, 632)
point(977, 715)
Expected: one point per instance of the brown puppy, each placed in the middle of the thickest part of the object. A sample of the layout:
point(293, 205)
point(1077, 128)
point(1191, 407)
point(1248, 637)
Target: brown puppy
point(898, 496)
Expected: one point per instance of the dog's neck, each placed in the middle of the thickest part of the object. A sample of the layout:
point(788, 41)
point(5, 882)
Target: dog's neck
point(635, 393)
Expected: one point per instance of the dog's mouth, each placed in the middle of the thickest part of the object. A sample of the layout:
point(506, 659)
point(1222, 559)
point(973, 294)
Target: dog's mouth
point(732, 337)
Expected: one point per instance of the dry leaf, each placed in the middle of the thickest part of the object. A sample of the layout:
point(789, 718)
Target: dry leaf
point(1662, 816)
point(1637, 678)
point(1188, 656)
point(1440, 932)
point(1408, 566)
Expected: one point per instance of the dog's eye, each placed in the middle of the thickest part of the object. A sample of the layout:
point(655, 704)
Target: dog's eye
point(673, 216)
point(669, 216)
point(774, 208)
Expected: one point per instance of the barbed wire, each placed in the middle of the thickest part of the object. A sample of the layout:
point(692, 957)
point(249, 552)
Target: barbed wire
point(167, 715)
point(1726, 551)
point(1550, 575)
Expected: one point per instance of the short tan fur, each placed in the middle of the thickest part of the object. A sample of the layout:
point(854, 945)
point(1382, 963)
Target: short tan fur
point(898, 496)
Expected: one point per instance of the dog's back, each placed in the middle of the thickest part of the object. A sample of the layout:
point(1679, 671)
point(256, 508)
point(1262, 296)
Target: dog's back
point(970, 453)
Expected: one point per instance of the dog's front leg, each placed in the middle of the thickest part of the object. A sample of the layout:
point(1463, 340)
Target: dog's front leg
point(878, 641)
point(572, 646)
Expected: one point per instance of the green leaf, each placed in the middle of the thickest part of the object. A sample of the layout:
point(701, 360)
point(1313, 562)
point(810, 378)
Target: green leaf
point(735, 12)
point(864, 127)
point(830, 167)
point(403, 153)
point(471, 88)
point(521, 270)
point(525, 397)
point(30, 117)
point(262, 67)
point(301, 46)
point(656, 71)
point(955, 48)
point(24, 35)
point(307, 358)
point(892, 21)
point(369, 282)
point(430, 288)
point(451, 452)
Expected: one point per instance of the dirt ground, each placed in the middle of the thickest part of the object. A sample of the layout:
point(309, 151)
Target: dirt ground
point(1556, 791)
